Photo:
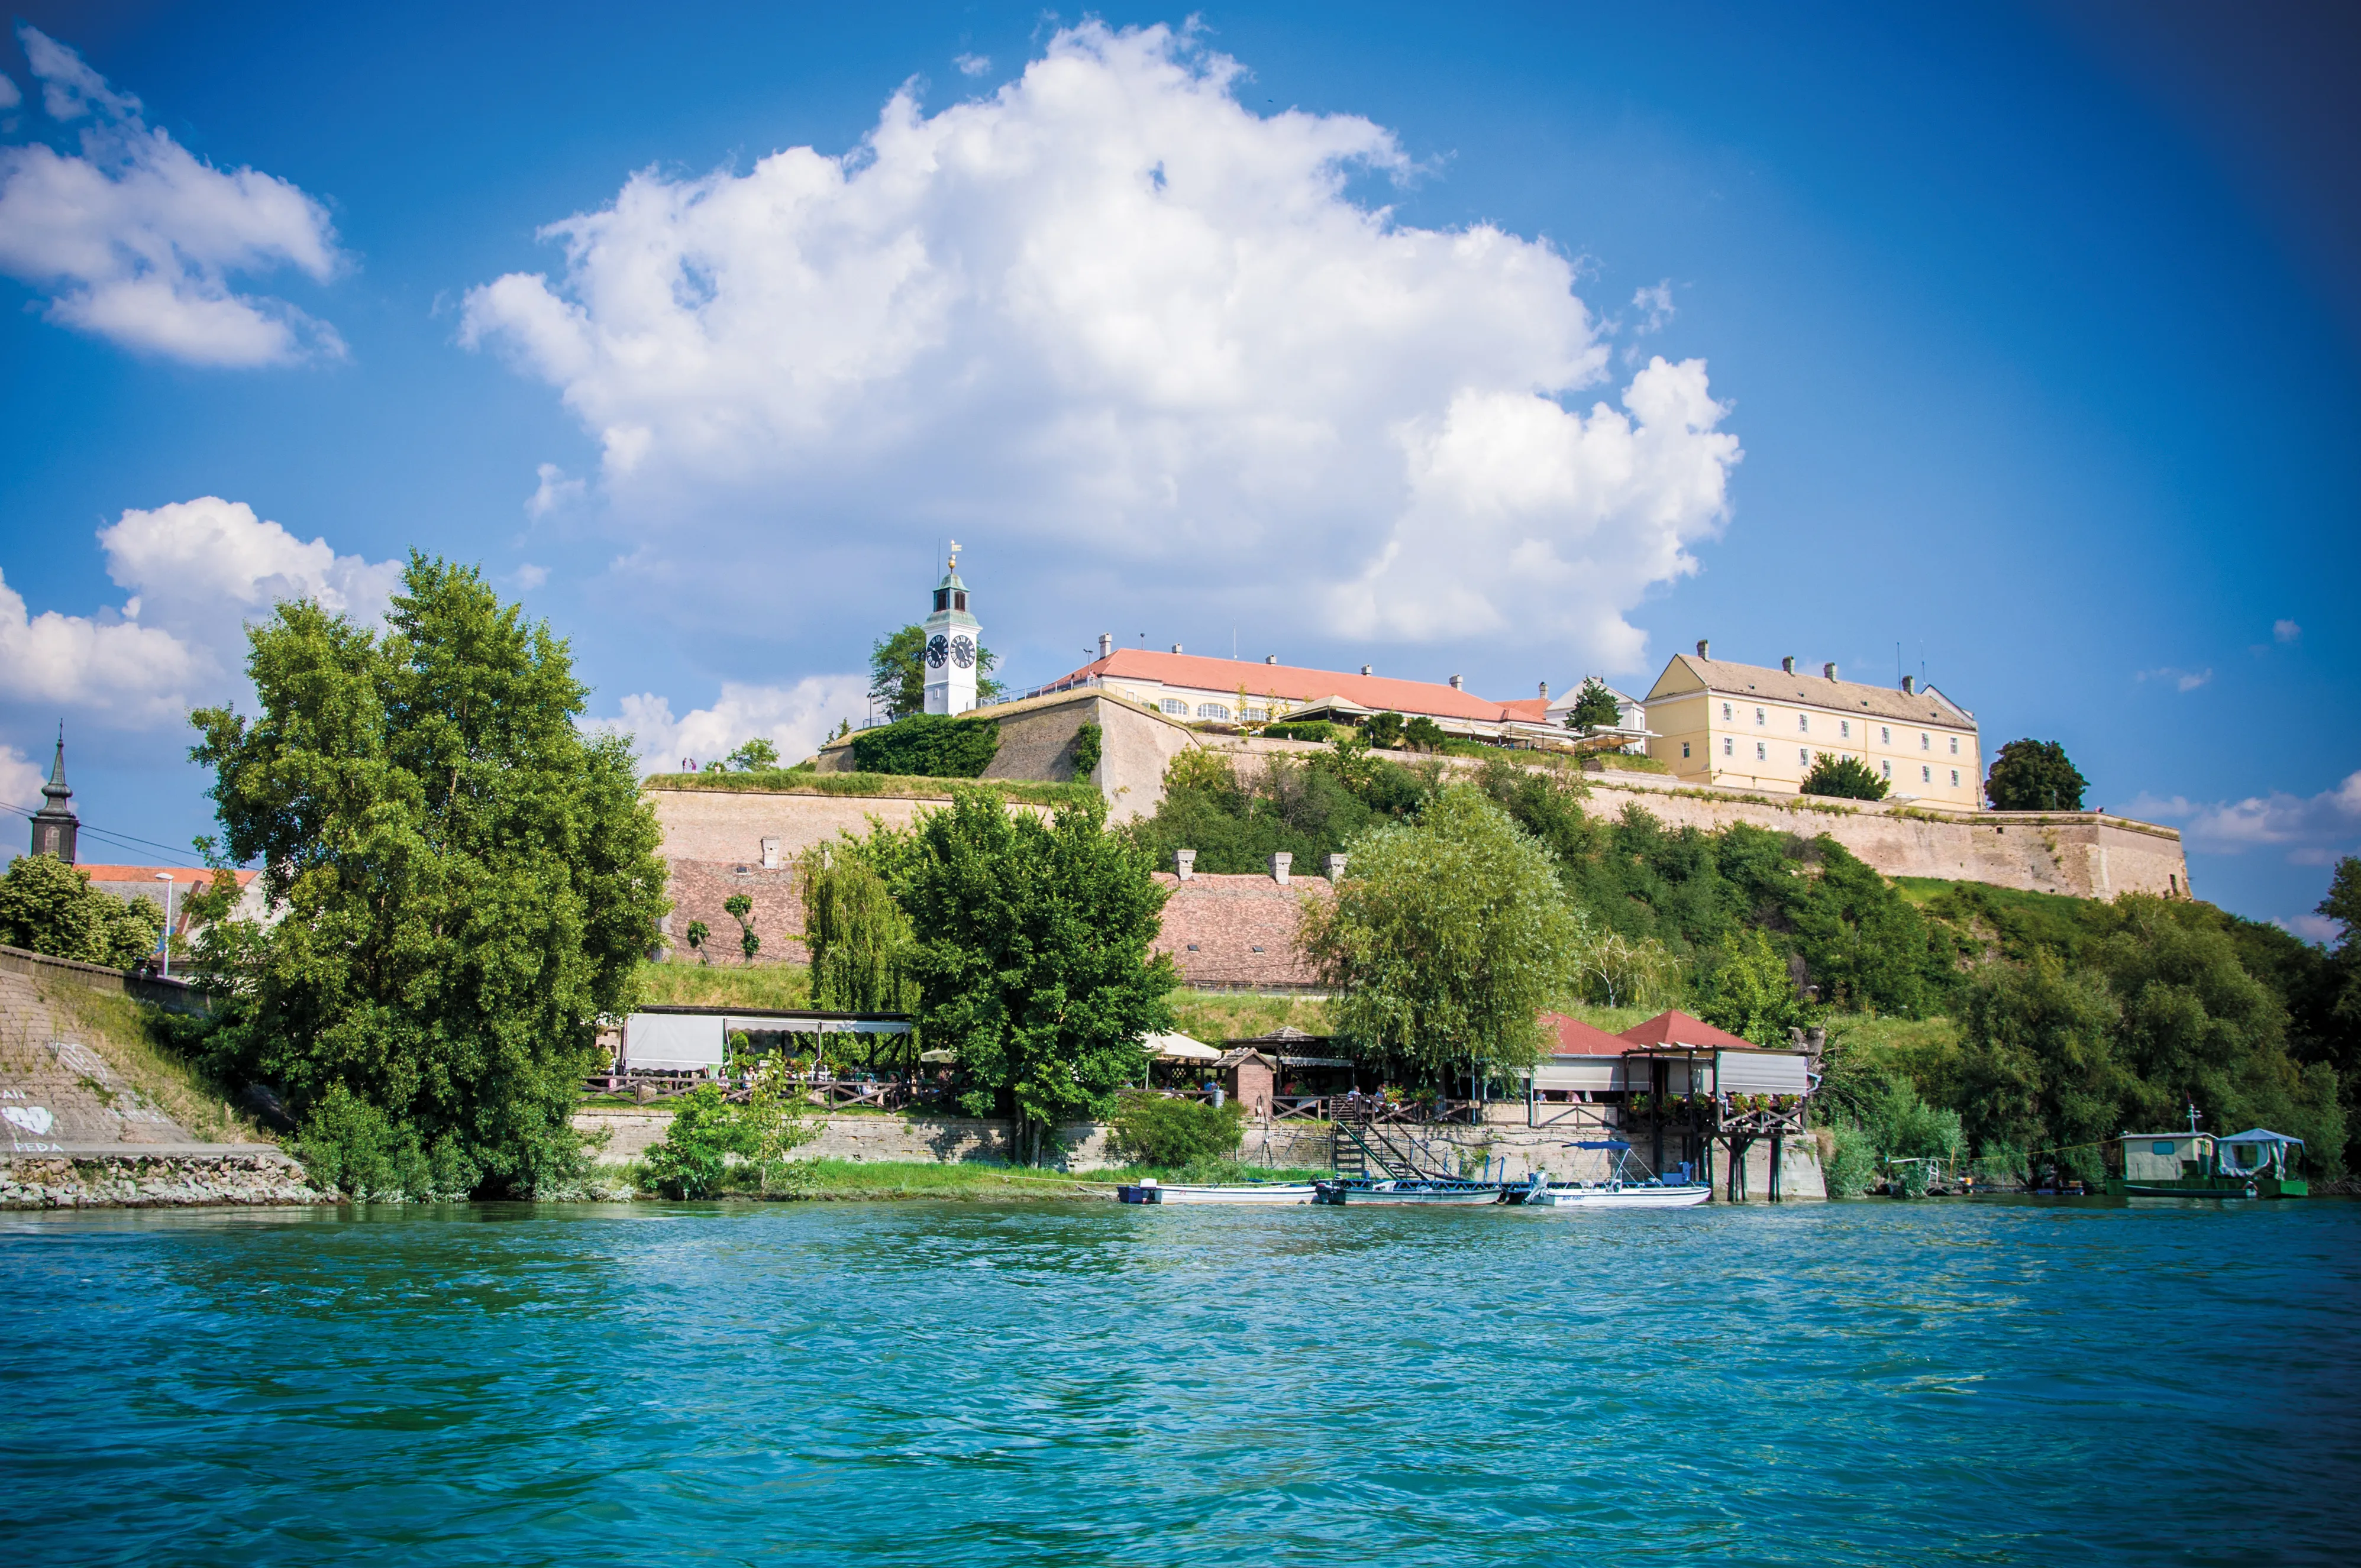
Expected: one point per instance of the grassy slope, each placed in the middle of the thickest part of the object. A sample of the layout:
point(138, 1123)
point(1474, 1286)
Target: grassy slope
point(797, 780)
point(119, 1029)
point(726, 985)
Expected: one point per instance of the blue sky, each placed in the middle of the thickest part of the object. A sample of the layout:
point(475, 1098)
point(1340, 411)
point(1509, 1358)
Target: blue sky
point(2027, 324)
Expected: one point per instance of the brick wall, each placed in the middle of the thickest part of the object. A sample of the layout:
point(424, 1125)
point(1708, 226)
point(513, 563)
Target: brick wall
point(699, 888)
point(1237, 932)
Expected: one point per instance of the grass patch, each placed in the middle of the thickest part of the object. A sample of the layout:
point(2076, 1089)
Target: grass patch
point(1214, 1016)
point(1628, 763)
point(843, 1180)
point(130, 1039)
point(775, 987)
point(890, 786)
point(1614, 1019)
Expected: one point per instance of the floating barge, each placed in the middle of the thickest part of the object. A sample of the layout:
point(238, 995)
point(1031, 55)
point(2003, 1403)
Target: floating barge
point(2254, 1164)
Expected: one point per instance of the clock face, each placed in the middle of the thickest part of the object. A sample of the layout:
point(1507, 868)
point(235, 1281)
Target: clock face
point(964, 651)
point(938, 650)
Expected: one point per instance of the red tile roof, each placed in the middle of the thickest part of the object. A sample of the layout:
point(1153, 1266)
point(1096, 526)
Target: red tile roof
point(1677, 1029)
point(1236, 930)
point(1380, 693)
point(1576, 1038)
point(183, 876)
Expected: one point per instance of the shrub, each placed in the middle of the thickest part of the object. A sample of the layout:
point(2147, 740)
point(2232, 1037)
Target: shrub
point(1152, 1130)
point(1845, 778)
point(1852, 1163)
point(705, 1132)
point(1384, 730)
point(928, 745)
point(1087, 741)
point(1318, 730)
point(1425, 733)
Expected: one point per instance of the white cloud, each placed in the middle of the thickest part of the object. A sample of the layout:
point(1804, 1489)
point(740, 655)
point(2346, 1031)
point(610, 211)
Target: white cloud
point(20, 777)
point(2311, 829)
point(972, 64)
point(530, 577)
point(135, 236)
point(2286, 631)
point(2183, 680)
point(1113, 323)
point(1657, 304)
point(9, 96)
point(554, 490)
point(197, 572)
point(2311, 928)
point(795, 719)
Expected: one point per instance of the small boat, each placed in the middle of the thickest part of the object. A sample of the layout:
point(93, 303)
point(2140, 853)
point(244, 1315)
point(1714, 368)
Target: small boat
point(1151, 1190)
point(1408, 1191)
point(1626, 1187)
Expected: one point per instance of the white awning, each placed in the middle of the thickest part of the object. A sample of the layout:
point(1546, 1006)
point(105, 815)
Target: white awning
point(1180, 1047)
point(2261, 1135)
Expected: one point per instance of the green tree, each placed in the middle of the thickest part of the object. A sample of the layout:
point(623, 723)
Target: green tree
point(1422, 734)
point(694, 1155)
point(1032, 958)
point(698, 932)
point(740, 908)
point(897, 672)
point(1446, 936)
point(1384, 730)
point(49, 907)
point(2034, 775)
point(1845, 778)
point(465, 883)
point(2040, 1067)
point(860, 940)
point(754, 756)
point(1749, 991)
point(1594, 707)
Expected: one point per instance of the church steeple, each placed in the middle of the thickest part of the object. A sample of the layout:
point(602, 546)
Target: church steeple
point(55, 826)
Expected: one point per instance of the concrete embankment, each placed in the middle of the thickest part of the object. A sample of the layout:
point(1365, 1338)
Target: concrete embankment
point(629, 1129)
point(91, 1115)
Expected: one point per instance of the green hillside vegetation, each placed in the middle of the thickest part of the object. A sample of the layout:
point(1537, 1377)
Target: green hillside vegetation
point(891, 786)
point(2041, 1023)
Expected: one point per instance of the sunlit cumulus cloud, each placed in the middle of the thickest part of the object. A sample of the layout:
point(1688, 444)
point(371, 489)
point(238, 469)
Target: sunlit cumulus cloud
point(795, 719)
point(197, 572)
point(20, 777)
point(1117, 323)
point(2311, 829)
point(135, 237)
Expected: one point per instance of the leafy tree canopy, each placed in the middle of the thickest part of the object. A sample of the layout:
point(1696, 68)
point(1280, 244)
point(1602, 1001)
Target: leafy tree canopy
point(860, 940)
point(2034, 775)
point(49, 907)
point(754, 756)
point(1845, 778)
point(466, 882)
point(897, 672)
point(928, 745)
point(1594, 707)
point(1447, 936)
point(1383, 730)
point(1032, 954)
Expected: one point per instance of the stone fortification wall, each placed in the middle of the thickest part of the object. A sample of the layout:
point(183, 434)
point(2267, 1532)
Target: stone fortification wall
point(1037, 743)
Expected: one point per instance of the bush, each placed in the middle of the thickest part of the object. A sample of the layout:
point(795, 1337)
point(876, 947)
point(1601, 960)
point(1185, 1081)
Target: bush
point(1152, 1130)
point(928, 745)
point(705, 1132)
point(1852, 1163)
point(1845, 778)
point(1087, 743)
point(350, 1145)
point(1318, 730)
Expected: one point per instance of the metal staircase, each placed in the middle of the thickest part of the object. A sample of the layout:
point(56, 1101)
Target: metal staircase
point(1360, 1149)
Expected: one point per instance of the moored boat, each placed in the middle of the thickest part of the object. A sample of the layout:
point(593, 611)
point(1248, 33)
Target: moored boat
point(2254, 1164)
point(1151, 1190)
point(1629, 1184)
point(1419, 1190)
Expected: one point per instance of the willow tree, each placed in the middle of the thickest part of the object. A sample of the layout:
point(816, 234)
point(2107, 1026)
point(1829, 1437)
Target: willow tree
point(1446, 939)
point(462, 884)
point(858, 937)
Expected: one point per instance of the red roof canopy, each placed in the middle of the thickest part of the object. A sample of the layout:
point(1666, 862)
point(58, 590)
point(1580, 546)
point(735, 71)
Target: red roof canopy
point(1674, 1027)
point(1378, 693)
point(1576, 1038)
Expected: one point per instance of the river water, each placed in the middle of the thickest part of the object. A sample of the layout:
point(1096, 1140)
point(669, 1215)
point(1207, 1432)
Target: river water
point(1081, 1383)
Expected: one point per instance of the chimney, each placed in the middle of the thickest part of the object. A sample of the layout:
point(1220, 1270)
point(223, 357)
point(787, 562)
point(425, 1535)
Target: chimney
point(1106, 644)
point(1365, 670)
point(1909, 685)
point(1280, 861)
point(1829, 670)
point(1176, 647)
point(1185, 863)
point(1335, 868)
point(1270, 658)
point(769, 854)
point(1545, 691)
point(1788, 664)
point(1455, 684)
point(1702, 646)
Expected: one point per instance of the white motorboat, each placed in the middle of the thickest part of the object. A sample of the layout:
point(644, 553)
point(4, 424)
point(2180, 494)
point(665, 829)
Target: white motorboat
point(1625, 1186)
point(1154, 1191)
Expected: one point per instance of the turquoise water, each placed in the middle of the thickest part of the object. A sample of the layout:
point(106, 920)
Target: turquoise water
point(949, 1383)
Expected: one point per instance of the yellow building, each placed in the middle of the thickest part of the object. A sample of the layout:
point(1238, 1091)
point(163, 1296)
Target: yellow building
point(1747, 726)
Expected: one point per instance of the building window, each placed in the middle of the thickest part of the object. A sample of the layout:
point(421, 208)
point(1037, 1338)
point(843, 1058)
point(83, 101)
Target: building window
point(1955, 778)
point(1174, 705)
point(1844, 729)
point(1728, 747)
point(1684, 751)
point(1955, 745)
point(1725, 710)
point(1803, 758)
point(1926, 741)
point(1760, 755)
point(1803, 723)
point(1886, 768)
point(1256, 715)
point(1926, 775)
point(1212, 711)
point(1759, 718)
point(1884, 735)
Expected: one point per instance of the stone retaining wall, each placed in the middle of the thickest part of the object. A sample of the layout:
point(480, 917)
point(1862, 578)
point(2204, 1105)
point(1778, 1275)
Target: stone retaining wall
point(197, 1176)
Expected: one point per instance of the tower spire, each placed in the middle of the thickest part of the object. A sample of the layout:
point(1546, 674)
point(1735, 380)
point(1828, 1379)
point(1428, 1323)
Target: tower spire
point(55, 827)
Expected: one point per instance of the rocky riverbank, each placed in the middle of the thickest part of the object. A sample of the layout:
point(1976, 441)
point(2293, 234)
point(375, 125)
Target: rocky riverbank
point(193, 1176)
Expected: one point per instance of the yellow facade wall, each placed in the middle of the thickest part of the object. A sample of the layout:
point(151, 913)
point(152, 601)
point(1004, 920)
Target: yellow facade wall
point(1737, 742)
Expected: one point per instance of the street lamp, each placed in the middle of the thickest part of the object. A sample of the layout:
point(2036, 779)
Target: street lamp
point(166, 878)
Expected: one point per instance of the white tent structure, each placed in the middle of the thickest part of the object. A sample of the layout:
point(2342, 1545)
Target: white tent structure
point(1180, 1047)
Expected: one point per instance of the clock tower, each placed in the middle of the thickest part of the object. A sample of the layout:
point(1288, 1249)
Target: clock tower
point(954, 642)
